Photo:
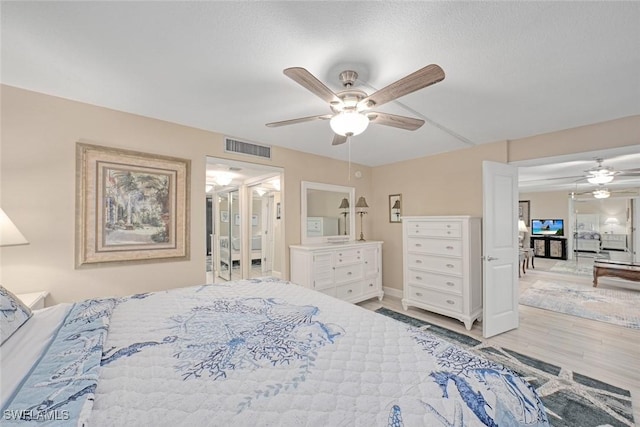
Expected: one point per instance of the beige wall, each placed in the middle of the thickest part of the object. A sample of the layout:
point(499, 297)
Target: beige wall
point(451, 183)
point(548, 205)
point(444, 184)
point(612, 134)
point(37, 190)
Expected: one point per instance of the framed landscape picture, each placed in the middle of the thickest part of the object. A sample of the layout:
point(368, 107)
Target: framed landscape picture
point(131, 206)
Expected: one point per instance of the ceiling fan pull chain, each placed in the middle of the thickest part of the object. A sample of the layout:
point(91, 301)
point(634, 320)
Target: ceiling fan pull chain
point(349, 148)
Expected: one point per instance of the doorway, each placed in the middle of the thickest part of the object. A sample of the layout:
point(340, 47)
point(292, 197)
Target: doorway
point(244, 237)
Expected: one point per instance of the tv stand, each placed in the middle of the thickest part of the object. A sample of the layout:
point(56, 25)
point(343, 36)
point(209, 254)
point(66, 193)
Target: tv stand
point(549, 247)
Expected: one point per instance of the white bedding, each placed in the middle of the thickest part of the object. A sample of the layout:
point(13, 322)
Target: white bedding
point(24, 348)
point(267, 352)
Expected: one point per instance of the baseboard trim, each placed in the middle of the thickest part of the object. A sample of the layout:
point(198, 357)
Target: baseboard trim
point(392, 292)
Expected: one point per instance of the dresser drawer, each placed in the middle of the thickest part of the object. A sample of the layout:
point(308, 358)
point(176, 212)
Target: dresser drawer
point(348, 273)
point(435, 298)
point(439, 281)
point(322, 271)
point(435, 228)
point(434, 246)
point(435, 263)
point(369, 286)
point(348, 256)
point(347, 292)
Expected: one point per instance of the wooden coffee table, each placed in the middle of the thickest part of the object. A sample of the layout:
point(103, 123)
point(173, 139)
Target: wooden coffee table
point(622, 269)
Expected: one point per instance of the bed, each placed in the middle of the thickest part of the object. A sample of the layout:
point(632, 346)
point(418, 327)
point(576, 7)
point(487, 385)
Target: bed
point(587, 241)
point(251, 352)
point(256, 249)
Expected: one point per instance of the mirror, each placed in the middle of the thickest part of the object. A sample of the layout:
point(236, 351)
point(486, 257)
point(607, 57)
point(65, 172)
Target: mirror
point(327, 212)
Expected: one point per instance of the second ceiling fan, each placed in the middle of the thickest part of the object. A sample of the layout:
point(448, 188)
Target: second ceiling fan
point(352, 108)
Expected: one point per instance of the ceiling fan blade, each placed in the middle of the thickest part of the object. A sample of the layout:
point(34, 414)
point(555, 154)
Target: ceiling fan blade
point(338, 139)
point(420, 79)
point(300, 120)
point(401, 122)
point(557, 178)
point(307, 80)
point(629, 172)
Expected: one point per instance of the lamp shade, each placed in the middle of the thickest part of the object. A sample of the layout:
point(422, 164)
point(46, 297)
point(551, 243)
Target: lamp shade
point(612, 221)
point(396, 205)
point(522, 226)
point(9, 233)
point(344, 204)
point(349, 123)
point(362, 203)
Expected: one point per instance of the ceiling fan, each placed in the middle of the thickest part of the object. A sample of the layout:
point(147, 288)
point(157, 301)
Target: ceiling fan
point(351, 108)
point(605, 174)
point(602, 192)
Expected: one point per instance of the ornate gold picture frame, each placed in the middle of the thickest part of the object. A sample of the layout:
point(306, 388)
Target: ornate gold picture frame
point(130, 206)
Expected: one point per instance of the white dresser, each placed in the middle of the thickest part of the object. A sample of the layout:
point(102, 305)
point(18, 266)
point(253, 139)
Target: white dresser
point(350, 271)
point(442, 265)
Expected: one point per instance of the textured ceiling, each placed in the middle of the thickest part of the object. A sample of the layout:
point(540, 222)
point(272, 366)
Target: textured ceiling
point(513, 69)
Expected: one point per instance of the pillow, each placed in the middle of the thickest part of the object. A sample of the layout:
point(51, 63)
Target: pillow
point(13, 314)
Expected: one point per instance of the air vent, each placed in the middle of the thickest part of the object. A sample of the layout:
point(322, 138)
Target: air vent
point(248, 148)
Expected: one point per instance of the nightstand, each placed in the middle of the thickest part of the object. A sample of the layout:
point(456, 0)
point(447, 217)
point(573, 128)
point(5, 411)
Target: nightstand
point(34, 300)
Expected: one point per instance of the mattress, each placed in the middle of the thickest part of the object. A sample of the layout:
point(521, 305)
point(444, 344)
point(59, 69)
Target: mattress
point(262, 352)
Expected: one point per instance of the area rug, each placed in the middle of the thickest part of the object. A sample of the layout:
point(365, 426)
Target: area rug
point(570, 398)
point(616, 306)
point(580, 268)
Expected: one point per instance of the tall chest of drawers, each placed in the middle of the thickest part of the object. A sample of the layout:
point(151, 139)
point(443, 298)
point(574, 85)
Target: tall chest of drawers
point(442, 266)
point(349, 271)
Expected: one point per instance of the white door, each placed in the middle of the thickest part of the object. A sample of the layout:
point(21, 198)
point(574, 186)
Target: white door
point(500, 248)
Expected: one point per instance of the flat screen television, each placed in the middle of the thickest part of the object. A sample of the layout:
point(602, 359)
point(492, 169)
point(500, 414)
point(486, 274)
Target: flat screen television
point(549, 227)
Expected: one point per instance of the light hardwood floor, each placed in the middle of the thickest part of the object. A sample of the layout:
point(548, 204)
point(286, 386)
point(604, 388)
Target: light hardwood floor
point(600, 350)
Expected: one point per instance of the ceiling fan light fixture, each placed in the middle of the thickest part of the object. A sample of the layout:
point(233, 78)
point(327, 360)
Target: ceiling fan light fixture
point(600, 178)
point(223, 179)
point(601, 193)
point(349, 123)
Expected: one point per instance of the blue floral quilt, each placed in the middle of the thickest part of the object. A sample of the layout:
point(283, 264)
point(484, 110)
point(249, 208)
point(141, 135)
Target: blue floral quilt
point(260, 352)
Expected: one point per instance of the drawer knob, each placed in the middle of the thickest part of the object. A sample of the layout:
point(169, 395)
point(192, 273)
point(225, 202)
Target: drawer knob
point(419, 294)
point(448, 225)
point(418, 245)
point(449, 283)
point(366, 262)
point(450, 248)
point(371, 285)
point(450, 302)
point(448, 232)
point(349, 273)
point(418, 277)
point(450, 265)
point(358, 257)
point(418, 261)
point(349, 291)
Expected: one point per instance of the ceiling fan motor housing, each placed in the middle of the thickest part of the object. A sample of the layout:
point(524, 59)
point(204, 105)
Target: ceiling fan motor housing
point(348, 78)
